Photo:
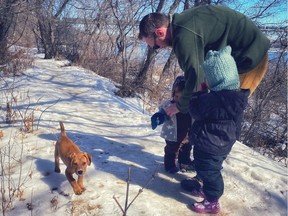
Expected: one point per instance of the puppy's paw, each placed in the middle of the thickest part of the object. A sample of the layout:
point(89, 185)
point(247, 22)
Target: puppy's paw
point(83, 189)
point(78, 191)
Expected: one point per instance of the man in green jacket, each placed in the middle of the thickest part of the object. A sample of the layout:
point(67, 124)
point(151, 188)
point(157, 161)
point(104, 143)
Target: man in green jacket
point(195, 31)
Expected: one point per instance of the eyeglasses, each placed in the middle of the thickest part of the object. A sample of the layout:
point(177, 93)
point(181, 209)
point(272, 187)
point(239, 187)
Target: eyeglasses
point(155, 47)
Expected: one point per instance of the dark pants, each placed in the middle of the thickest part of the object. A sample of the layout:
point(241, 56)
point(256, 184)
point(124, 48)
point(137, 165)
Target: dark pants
point(183, 126)
point(208, 168)
point(171, 151)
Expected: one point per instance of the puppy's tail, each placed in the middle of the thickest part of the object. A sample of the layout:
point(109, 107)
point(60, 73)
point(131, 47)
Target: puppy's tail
point(63, 133)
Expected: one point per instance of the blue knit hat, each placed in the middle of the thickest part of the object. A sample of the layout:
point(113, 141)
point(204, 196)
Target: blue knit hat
point(220, 70)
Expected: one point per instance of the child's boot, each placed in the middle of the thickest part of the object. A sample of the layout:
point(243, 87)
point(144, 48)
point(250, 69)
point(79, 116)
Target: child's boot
point(205, 206)
point(198, 193)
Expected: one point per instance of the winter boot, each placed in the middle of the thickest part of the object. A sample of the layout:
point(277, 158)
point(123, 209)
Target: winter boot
point(198, 193)
point(206, 207)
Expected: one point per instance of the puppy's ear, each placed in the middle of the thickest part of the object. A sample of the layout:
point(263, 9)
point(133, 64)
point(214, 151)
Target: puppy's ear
point(89, 158)
point(71, 157)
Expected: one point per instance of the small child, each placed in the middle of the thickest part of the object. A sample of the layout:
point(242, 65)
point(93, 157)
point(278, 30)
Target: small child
point(175, 132)
point(218, 115)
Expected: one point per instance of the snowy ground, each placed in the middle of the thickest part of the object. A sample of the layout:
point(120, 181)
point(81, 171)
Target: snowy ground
point(117, 134)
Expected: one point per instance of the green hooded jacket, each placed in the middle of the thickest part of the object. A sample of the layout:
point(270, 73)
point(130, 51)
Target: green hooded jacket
point(198, 30)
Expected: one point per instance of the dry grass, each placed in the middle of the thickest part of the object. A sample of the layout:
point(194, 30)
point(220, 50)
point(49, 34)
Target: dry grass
point(54, 203)
point(17, 62)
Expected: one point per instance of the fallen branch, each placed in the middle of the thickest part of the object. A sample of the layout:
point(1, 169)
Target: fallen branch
point(127, 206)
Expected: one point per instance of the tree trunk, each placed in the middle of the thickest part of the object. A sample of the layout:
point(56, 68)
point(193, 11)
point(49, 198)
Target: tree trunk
point(47, 25)
point(142, 75)
point(3, 44)
point(46, 38)
point(166, 70)
point(6, 20)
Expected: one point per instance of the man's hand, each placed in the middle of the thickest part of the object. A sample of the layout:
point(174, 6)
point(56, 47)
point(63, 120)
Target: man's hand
point(171, 109)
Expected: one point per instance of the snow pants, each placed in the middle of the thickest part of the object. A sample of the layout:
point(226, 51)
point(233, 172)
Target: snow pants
point(208, 168)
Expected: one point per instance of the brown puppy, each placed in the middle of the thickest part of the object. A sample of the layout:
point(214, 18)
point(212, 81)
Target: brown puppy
point(75, 160)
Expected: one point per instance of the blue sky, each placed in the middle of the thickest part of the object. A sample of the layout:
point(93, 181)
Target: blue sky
point(275, 16)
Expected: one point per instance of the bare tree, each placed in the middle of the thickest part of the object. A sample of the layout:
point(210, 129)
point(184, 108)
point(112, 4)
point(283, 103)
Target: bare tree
point(124, 16)
point(47, 13)
point(9, 10)
point(6, 20)
point(266, 116)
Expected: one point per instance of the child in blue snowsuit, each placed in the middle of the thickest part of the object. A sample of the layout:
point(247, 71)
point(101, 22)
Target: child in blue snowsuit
point(218, 115)
point(175, 132)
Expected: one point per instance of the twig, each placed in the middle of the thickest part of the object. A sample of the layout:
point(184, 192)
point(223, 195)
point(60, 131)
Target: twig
point(127, 190)
point(124, 211)
point(31, 202)
point(44, 111)
point(145, 186)
point(118, 204)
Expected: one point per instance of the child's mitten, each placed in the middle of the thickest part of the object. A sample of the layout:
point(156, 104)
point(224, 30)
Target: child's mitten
point(158, 118)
